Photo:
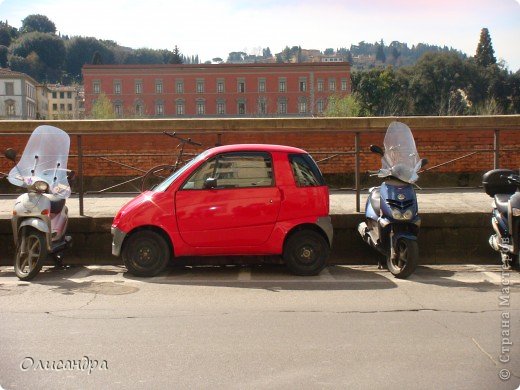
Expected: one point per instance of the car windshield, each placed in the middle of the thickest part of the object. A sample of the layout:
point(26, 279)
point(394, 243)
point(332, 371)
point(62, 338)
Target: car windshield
point(170, 179)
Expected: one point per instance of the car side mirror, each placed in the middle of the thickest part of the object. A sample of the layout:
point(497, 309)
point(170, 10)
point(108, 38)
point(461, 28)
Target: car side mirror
point(377, 149)
point(210, 183)
point(10, 154)
point(424, 161)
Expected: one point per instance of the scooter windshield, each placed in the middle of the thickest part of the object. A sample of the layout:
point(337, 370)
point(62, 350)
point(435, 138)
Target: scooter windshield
point(44, 158)
point(401, 159)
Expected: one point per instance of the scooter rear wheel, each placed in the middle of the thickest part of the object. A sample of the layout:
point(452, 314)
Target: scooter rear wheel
point(406, 258)
point(31, 253)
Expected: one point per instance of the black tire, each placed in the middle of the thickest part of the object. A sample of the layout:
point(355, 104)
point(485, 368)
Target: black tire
point(306, 253)
point(155, 176)
point(406, 258)
point(146, 253)
point(31, 253)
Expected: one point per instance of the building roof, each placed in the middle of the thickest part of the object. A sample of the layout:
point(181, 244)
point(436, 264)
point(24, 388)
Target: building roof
point(8, 73)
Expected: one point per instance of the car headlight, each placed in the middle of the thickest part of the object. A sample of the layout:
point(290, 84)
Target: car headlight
point(516, 212)
point(40, 186)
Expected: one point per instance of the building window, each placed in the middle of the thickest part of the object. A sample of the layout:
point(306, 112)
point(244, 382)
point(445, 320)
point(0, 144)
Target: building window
point(159, 108)
point(179, 107)
point(221, 108)
point(55, 107)
point(261, 85)
point(344, 84)
point(201, 107)
point(241, 86)
point(200, 86)
point(220, 86)
point(139, 109)
point(303, 85)
point(241, 108)
point(54, 95)
point(179, 88)
point(118, 110)
point(302, 106)
point(9, 89)
point(262, 107)
point(158, 86)
point(138, 86)
point(10, 108)
point(62, 95)
point(281, 85)
point(320, 85)
point(117, 88)
point(62, 107)
point(332, 85)
point(282, 107)
point(96, 87)
point(319, 106)
point(69, 107)
point(69, 95)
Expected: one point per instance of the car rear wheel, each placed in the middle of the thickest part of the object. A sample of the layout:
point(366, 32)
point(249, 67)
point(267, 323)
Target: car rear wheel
point(146, 253)
point(306, 253)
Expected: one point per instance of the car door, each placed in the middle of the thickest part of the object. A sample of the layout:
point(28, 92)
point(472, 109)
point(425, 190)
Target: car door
point(239, 210)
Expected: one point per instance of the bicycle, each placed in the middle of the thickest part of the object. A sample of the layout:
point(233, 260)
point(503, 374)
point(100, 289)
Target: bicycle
point(157, 174)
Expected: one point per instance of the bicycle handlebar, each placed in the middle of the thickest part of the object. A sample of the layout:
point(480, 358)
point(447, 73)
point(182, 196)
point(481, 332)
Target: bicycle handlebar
point(183, 140)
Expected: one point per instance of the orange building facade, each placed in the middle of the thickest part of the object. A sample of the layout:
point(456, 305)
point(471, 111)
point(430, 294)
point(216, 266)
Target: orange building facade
point(213, 91)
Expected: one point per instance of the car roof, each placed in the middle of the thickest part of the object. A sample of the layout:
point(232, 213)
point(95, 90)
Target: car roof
point(255, 148)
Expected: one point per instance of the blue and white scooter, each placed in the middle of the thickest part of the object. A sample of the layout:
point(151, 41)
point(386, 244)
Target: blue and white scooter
point(392, 220)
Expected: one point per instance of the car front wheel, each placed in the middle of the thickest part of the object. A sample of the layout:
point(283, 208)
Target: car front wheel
point(146, 253)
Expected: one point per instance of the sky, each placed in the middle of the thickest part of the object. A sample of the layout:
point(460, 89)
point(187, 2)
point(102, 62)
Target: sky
point(214, 28)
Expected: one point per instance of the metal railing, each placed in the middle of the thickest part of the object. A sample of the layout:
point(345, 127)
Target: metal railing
point(217, 129)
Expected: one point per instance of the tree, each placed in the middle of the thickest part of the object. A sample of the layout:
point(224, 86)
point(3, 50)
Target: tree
point(266, 53)
point(485, 53)
point(218, 60)
point(329, 51)
point(3, 56)
point(80, 51)
point(39, 23)
point(97, 59)
point(346, 106)
point(380, 52)
point(102, 108)
point(176, 57)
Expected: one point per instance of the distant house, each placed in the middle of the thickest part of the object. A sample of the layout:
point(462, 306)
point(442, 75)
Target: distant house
point(217, 90)
point(65, 101)
point(21, 97)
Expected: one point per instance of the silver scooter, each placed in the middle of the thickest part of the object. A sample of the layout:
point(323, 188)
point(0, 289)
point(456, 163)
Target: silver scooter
point(40, 216)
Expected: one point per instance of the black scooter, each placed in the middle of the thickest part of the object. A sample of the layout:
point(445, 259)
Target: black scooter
point(504, 186)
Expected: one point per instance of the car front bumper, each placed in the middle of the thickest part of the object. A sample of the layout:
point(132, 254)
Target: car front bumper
point(118, 236)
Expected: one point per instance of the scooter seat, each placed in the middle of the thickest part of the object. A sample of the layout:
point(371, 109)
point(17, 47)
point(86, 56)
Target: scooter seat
point(57, 206)
point(502, 202)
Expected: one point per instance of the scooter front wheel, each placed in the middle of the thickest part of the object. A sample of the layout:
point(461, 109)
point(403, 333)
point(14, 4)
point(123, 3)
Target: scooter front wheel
point(405, 260)
point(31, 253)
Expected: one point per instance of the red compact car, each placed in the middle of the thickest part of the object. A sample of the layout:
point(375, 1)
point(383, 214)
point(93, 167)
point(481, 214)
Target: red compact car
point(230, 200)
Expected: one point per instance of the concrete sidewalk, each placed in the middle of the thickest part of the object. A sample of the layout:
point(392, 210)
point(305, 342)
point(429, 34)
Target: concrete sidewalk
point(341, 203)
point(455, 229)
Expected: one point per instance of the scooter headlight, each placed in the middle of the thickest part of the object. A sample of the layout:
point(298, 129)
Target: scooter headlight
point(41, 186)
point(408, 214)
point(516, 212)
point(396, 214)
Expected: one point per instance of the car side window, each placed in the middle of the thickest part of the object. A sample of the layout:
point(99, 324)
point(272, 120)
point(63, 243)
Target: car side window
point(234, 170)
point(306, 172)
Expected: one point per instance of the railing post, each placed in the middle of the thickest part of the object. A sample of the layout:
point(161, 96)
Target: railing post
point(356, 174)
point(496, 149)
point(80, 174)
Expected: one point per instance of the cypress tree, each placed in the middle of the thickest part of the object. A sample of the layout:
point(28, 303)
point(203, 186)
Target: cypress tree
point(485, 53)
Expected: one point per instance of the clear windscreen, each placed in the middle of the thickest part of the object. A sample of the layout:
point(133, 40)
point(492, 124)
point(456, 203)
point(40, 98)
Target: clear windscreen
point(44, 158)
point(401, 159)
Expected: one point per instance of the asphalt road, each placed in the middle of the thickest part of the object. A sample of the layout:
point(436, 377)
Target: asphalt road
point(242, 327)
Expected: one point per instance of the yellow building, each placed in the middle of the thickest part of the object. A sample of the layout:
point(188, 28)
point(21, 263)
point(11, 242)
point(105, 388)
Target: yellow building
point(66, 101)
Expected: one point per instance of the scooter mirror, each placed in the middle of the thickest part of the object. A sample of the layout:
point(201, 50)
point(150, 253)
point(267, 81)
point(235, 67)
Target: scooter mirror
point(424, 161)
point(10, 154)
point(71, 175)
point(377, 149)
